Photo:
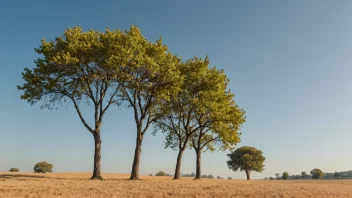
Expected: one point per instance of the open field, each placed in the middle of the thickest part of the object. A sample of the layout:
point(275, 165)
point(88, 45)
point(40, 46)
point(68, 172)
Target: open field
point(116, 185)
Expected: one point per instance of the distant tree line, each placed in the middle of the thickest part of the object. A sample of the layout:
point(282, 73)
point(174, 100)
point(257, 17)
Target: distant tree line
point(314, 174)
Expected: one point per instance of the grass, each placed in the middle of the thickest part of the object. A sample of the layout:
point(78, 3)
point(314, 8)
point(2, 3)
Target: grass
point(117, 185)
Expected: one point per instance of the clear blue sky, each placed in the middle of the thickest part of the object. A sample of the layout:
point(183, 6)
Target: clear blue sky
point(289, 63)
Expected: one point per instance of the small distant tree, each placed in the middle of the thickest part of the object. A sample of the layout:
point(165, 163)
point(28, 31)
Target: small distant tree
point(277, 175)
point(218, 177)
point(43, 167)
point(204, 176)
point(229, 178)
point(150, 174)
point(304, 175)
point(14, 170)
point(210, 176)
point(246, 159)
point(266, 178)
point(193, 174)
point(317, 173)
point(285, 175)
point(271, 178)
point(160, 173)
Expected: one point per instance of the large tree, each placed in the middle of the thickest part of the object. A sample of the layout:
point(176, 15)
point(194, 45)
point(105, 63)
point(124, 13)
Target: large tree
point(151, 75)
point(217, 118)
point(246, 159)
point(76, 67)
point(178, 115)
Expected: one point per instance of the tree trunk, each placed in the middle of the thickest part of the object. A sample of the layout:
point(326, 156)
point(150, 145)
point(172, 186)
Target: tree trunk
point(178, 164)
point(137, 156)
point(198, 168)
point(97, 157)
point(248, 173)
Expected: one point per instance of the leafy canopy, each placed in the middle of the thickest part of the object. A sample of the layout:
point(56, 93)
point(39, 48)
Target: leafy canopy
point(77, 66)
point(150, 75)
point(285, 175)
point(317, 173)
point(43, 167)
point(209, 106)
point(246, 158)
point(160, 173)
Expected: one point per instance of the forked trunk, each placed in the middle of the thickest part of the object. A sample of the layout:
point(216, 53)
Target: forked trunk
point(137, 156)
point(178, 164)
point(198, 170)
point(97, 157)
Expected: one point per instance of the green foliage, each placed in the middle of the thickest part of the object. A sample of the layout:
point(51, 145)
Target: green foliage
point(43, 167)
point(277, 175)
point(202, 108)
point(77, 67)
point(285, 175)
point(317, 173)
point(160, 173)
point(247, 159)
point(14, 170)
point(304, 175)
point(216, 115)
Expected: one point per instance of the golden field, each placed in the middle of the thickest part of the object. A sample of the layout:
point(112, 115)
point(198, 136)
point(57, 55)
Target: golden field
point(117, 185)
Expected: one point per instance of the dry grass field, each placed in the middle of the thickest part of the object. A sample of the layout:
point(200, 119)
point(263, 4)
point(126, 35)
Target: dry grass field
point(115, 185)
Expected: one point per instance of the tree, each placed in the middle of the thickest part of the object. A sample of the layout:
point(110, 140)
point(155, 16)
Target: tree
point(160, 173)
point(210, 176)
point(77, 67)
point(203, 114)
point(304, 174)
point(204, 176)
point(285, 175)
point(229, 178)
point(150, 174)
point(179, 116)
point(277, 175)
point(246, 159)
point(14, 170)
point(317, 173)
point(43, 167)
point(151, 75)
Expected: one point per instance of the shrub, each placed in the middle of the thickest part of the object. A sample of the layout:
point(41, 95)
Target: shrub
point(204, 176)
point(14, 170)
point(150, 174)
point(229, 178)
point(43, 167)
point(210, 176)
point(160, 173)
